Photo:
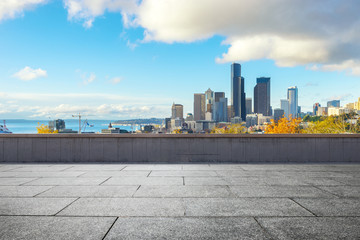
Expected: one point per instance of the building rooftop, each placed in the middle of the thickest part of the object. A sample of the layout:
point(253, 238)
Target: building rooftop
point(172, 201)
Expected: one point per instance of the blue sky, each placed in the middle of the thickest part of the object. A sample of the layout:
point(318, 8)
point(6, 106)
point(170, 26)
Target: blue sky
point(121, 59)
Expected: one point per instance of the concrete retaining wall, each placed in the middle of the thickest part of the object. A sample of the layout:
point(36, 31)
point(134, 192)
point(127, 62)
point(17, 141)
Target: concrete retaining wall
point(179, 148)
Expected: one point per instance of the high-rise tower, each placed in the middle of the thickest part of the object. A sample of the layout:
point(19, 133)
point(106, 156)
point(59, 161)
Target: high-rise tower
point(262, 96)
point(292, 96)
point(237, 92)
point(199, 106)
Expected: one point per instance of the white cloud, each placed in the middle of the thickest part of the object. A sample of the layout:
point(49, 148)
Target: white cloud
point(349, 66)
point(14, 8)
point(131, 45)
point(297, 32)
point(88, 10)
point(27, 73)
point(88, 79)
point(116, 80)
point(96, 105)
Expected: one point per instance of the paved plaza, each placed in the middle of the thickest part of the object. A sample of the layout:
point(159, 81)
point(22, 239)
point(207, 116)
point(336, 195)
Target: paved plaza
point(179, 201)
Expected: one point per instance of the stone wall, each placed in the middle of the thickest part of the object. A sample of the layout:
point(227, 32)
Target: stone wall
point(140, 148)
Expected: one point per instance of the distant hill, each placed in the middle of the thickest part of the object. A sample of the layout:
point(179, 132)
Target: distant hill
point(141, 121)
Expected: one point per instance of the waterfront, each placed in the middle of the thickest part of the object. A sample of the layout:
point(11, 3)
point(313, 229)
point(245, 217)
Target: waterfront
point(29, 126)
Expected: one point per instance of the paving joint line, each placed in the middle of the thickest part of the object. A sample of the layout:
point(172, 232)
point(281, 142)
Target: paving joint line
point(44, 191)
point(107, 232)
point(66, 206)
point(23, 184)
point(262, 228)
point(104, 181)
point(66, 169)
point(327, 191)
point(135, 191)
point(303, 207)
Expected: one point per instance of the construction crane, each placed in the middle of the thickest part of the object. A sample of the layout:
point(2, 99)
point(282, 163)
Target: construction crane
point(79, 116)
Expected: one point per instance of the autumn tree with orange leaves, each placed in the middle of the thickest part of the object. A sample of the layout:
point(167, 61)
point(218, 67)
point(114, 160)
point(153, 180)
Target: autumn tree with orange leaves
point(284, 126)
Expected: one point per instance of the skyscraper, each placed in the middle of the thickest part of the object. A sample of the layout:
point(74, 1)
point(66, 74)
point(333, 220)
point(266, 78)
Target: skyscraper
point(292, 96)
point(199, 106)
point(248, 106)
point(333, 103)
point(220, 107)
point(316, 108)
point(209, 99)
point(262, 96)
point(278, 113)
point(177, 111)
point(284, 105)
point(237, 92)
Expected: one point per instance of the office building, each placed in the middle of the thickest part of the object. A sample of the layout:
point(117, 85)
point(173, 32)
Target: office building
point(336, 111)
point(292, 97)
point(315, 108)
point(284, 105)
point(262, 96)
point(237, 92)
point(251, 120)
point(189, 117)
point(209, 100)
point(177, 111)
point(333, 103)
point(357, 105)
point(248, 106)
point(350, 106)
point(220, 107)
point(199, 106)
point(278, 113)
point(322, 111)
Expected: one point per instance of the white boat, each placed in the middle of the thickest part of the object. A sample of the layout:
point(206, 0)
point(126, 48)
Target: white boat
point(4, 129)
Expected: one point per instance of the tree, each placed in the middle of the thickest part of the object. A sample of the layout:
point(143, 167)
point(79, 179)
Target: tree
point(44, 129)
point(229, 129)
point(328, 125)
point(284, 126)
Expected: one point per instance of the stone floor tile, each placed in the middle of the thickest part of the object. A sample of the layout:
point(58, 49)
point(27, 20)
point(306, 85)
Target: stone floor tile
point(15, 181)
point(96, 167)
point(186, 228)
point(125, 207)
point(325, 228)
point(90, 191)
point(22, 191)
point(183, 173)
point(34, 168)
point(33, 206)
point(183, 191)
point(262, 180)
point(241, 173)
point(54, 228)
point(243, 207)
point(204, 181)
point(279, 191)
point(152, 167)
point(67, 181)
point(122, 181)
point(45, 174)
point(349, 181)
point(116, 173)
point(343, 191)
point(331, 207)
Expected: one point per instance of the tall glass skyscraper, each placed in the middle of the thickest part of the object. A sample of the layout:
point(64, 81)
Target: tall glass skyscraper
point(199, 106)
point(262, 96)
point(238, 92)
point(292, 96)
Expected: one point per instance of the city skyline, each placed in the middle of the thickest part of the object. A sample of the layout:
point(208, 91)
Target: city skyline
point(110, 62)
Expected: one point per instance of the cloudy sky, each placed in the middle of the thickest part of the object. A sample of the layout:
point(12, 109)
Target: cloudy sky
point(120, 59)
